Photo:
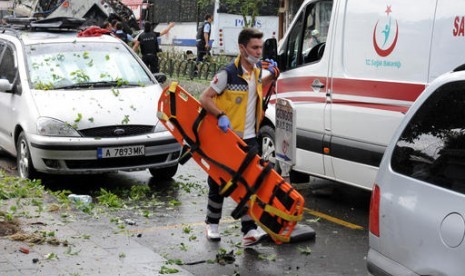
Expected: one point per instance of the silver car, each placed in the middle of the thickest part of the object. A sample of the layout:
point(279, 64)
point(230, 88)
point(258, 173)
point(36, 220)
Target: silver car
point(79, 105)
point(417, 211)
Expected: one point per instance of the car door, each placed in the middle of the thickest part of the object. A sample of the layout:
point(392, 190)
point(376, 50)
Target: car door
point(304, 80)
point(8, 71)
point(423, 210)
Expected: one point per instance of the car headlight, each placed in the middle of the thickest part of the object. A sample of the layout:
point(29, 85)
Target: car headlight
point(52, 127)
point(159, 127)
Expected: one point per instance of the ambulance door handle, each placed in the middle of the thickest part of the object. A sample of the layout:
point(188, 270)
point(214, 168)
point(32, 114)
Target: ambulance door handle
point(317, 84)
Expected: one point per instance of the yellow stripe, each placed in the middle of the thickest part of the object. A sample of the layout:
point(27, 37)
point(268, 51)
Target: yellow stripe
point(230, 220)
point(333, 219)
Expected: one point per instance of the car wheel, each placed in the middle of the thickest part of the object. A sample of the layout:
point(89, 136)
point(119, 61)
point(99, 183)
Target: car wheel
point(164, 173)
point(267, 145)
point(23, 158)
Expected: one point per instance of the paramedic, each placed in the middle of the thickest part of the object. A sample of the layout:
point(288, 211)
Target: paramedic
point(235, 98)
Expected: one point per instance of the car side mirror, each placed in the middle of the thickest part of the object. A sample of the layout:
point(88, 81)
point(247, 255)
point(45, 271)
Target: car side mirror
point(5, 85)
point(160, 77)
point(270, 49)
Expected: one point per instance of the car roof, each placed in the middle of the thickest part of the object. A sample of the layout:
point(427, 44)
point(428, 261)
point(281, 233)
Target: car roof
point(40, 37)
point(54, 30)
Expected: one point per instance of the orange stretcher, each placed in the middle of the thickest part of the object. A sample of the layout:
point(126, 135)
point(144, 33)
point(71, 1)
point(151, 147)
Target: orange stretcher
point(251, 182)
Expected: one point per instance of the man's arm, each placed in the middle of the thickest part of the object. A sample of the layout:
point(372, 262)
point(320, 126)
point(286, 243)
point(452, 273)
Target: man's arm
point(205, 36)
point(206, 100)
point(165, 31)
point(135, 47)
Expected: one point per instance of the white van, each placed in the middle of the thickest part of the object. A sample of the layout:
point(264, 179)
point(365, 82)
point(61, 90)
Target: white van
point(353, 69)
point(73, 104)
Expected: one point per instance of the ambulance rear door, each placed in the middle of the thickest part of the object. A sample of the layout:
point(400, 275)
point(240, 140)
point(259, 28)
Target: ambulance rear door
point(379, 68)
point(448, 41)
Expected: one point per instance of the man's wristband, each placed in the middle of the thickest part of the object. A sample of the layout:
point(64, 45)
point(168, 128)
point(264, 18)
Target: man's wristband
point(219, 115)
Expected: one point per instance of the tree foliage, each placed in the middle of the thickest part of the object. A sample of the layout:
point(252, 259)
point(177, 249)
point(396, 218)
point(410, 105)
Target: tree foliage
point(249, 9)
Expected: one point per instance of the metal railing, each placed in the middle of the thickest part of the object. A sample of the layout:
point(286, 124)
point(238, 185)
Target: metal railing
point(183, 66)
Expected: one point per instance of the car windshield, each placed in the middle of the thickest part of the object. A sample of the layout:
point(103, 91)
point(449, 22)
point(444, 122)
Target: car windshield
point(83, 65)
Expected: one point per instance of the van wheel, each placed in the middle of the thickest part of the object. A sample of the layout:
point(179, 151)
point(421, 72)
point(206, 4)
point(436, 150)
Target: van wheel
point(23, 158)
point(164, 173)
point(267, 149)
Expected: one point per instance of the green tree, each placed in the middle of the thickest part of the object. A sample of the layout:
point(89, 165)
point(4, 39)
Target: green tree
point(246, 8)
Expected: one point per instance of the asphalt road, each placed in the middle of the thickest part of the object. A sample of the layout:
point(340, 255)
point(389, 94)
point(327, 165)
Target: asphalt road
point(175, 227)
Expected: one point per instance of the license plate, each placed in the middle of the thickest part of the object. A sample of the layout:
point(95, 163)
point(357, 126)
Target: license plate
point(120, 152)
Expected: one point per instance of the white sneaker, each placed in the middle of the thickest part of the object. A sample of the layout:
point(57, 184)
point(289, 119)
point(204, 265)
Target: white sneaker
point(253, 236)
point(212, 232)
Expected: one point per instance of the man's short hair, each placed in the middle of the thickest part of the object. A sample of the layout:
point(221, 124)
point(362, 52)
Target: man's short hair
point(247, 34)
point(119, 26)
point(147, 26)
point(207, 16)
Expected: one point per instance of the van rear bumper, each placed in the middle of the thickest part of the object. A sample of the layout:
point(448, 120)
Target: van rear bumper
point(380, 265)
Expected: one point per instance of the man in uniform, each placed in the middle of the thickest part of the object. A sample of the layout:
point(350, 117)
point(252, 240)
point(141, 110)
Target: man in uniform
point(148, 42)
point(203, 37)
point(235, 98)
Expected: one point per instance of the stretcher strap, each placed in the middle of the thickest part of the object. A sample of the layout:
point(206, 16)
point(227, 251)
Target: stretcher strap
point(172, 91)
point(283, 197)
point(240, 208)
point(269, 223)
point(185, 154)
point(231, 185)
point(195, 129)
point(272, 222)
point(273, 210)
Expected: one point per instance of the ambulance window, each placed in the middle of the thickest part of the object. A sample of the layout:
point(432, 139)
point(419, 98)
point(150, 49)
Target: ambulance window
point(307, 39)
point(293, 44)
point(316, 31)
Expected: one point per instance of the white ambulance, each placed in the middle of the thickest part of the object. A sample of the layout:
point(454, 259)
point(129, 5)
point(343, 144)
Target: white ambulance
point(352, 70)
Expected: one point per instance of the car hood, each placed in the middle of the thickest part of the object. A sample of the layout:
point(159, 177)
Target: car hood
point(100, 107)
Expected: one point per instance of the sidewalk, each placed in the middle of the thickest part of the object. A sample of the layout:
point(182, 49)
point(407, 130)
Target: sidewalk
point(70, 242)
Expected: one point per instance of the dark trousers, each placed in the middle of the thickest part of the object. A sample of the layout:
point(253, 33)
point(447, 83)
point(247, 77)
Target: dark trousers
point(201, 51)
point(215, 201)
point(151, 60)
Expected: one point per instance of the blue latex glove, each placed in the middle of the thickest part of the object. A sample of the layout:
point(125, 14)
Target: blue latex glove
point(272, 66)
point(223, 123)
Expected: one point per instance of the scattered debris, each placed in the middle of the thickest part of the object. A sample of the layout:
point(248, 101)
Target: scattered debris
point(168, 270)
point(33, 238)
point(37, 238)
point(23, 250)
point(130, 222)
point(224, 258)
point(51, 256)
point(305, 250)
point(8, 228)
point(38, 223)
point(84, 199)
point(54, 207)
point(35, 260)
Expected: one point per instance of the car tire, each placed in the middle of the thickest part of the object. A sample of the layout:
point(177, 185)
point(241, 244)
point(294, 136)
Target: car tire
point(267, 150)
point(164, 173)
point(23, 158)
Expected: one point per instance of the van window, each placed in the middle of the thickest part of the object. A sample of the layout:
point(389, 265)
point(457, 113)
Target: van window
point(7, 64)
point(432, 146)
point(307, 38)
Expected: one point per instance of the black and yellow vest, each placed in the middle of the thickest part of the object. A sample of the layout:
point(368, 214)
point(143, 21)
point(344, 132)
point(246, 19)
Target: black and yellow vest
point(233, 100)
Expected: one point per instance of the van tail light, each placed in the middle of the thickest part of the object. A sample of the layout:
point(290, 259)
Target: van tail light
point(374, 210)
